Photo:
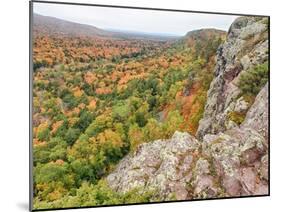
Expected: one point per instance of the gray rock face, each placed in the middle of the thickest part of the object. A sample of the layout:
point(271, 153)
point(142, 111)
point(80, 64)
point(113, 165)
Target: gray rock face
point(257, 116)
point(163, 165)
point(240, 155)
point(245, 47)
point(241, 105)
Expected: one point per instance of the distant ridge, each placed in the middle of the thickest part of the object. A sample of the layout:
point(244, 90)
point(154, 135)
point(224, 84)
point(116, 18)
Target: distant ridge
point(46, 25)
point(204, 32)
point(51, 26)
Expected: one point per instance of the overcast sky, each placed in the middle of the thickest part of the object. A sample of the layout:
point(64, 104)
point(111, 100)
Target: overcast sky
point(148, 21)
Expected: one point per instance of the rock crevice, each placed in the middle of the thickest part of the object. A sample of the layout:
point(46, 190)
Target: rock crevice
point(246, 46)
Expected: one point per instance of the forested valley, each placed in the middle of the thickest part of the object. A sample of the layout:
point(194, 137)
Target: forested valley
point(98, 96)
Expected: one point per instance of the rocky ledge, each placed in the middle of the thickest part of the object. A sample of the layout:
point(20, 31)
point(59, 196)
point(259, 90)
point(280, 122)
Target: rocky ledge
point(232, 163)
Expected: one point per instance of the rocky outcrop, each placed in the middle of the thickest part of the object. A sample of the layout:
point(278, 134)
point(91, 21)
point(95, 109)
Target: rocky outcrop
point(230, 163)
point(225, 159)
point(246, 46)
point(163, 165)
point(240, 155)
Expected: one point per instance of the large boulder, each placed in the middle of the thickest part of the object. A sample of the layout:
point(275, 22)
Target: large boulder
point(164, 166)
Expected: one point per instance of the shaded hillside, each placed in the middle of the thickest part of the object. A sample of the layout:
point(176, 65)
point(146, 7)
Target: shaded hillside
point(45, 25)
point(51, 26)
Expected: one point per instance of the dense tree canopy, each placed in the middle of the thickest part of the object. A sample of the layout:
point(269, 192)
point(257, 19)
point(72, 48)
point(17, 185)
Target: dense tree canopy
point(96, 100)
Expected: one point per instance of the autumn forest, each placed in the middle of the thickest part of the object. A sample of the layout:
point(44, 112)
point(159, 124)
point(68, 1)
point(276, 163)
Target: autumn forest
point(98, 95)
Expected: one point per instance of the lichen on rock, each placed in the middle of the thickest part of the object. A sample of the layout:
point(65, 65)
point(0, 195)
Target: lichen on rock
point(246, 46)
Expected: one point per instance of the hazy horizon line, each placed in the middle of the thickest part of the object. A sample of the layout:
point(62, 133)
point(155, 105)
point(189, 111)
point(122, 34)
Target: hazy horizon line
point(128, 31)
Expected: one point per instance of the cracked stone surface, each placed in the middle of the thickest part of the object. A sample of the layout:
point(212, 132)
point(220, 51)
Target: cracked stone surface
point(234, 57)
